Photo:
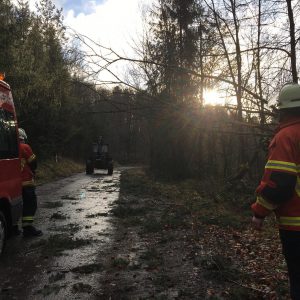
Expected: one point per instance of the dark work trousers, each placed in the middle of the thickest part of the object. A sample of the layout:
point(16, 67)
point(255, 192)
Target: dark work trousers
point(29, 205)
point(291, 250)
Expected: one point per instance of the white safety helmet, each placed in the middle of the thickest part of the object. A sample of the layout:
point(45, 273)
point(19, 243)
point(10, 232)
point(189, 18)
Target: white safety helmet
point(289, 96)
point(22, 134)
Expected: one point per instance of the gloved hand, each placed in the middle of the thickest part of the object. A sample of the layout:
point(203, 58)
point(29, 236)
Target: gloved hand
point(257, 223)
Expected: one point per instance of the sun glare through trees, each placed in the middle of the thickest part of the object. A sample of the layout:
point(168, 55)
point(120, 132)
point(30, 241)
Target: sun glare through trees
point(212, 97)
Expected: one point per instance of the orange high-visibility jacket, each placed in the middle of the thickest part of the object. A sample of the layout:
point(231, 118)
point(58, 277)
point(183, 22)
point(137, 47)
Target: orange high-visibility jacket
point(279, 189)
point(27, 157)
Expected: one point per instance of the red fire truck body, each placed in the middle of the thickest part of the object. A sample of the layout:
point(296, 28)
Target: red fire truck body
point(10, 165)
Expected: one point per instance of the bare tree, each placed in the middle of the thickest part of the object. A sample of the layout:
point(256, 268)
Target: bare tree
point(292, 40)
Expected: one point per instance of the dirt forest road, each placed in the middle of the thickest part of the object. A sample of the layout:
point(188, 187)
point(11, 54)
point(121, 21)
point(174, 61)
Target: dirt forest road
point(74, 214)
point(128, 236)
point(89, 250)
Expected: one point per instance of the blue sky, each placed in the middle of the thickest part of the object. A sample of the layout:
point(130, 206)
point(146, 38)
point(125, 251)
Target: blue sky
point(80, 6)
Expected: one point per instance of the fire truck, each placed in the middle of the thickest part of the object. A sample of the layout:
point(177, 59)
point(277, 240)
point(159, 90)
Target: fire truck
point(10, 165)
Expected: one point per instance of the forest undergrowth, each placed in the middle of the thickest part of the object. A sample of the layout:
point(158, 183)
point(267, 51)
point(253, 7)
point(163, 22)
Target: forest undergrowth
point(214, 221)
point(53, 169)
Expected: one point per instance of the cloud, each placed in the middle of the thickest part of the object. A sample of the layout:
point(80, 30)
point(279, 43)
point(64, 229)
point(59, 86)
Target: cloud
point(113, 23)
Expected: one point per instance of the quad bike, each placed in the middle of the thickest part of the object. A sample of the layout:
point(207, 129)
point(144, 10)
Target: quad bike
point(99, 159)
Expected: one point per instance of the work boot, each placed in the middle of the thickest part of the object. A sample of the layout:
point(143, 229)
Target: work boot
point(31, 231)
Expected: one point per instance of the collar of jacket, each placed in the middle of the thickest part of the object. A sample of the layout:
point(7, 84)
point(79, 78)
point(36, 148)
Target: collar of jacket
point(288, 122)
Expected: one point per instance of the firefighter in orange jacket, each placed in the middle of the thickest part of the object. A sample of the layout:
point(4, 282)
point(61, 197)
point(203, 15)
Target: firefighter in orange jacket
point(28, 167)
point(279, 190)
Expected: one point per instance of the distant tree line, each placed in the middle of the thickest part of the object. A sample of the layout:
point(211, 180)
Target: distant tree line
point(246, 49)
point(61, 111)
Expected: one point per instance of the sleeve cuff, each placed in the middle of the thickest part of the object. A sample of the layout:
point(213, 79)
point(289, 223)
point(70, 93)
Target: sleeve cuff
point(260, 211)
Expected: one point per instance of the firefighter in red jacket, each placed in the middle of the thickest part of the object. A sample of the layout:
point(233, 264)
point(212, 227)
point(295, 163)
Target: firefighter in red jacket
point(279, 190)
point(28, 167)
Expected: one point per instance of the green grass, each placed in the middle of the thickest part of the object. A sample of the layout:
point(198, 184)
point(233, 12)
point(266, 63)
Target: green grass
point(220, 268)
point(152, 225)
point(81, 287)
point(133, 221)
point(50, 170)
point(150, 254)
point(120, 262)
point(174, 219)
point(225, 219)
point(56, 277)
point(123, 211)
point(162, 280)
point(58, 243)
point(239, 292)
point(88, 269)
point(50, 289)
point(169, 207)
point(135, 182)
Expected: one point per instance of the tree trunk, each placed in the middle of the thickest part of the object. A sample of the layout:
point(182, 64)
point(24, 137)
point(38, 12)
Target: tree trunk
point(293, 41)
